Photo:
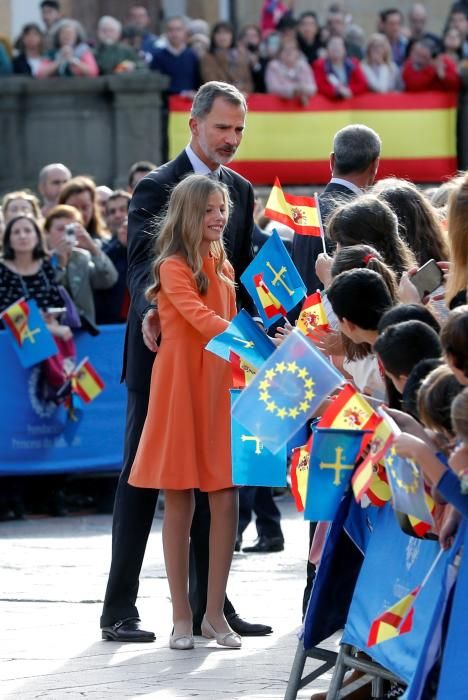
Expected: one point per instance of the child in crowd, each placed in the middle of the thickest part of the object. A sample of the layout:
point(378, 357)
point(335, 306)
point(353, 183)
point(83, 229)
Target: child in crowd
point(193, 285)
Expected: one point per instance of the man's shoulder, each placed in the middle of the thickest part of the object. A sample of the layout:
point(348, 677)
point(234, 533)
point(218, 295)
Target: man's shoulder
point(166, 174)
point(232, 178)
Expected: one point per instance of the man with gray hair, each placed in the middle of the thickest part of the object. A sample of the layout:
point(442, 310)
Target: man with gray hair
point(354, 162)
point(217, 124)
point(51, 179)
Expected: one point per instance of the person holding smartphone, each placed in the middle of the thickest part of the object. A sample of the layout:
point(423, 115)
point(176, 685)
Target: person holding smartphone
point(81, 266)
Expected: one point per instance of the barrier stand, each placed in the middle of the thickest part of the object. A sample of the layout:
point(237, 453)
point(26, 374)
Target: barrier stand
point(342, 662)
point(296, 681)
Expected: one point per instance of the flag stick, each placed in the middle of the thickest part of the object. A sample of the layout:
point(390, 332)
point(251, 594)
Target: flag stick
point(319, 216)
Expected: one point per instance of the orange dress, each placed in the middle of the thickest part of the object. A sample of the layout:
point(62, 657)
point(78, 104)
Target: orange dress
point(186, 439)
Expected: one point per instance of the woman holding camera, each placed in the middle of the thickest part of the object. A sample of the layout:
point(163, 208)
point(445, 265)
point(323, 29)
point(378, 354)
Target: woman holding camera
point(81, 265)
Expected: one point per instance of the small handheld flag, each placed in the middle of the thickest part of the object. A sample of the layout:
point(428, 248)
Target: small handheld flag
point(297, 212)
point(299, 473)
point(395, 621)
point(244, 338)
point(272, 280)
point(312, 316)
point(31, 339)
point(86, 382)
point(242, 371)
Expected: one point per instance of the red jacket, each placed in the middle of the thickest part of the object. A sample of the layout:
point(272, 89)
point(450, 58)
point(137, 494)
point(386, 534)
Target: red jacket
point(357, 82)
point(427, 78)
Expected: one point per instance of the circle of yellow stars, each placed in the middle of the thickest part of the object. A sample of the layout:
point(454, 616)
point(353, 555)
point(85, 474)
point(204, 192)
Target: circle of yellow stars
point(281, 411)
point(411, 487)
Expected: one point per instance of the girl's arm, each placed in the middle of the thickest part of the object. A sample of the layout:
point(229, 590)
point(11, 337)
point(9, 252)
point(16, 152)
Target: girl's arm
point(178, 285)
point(414, 448)
point(449, 487)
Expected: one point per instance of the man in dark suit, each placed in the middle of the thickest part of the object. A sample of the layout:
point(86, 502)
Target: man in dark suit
point(216, 123)
point(353, 162)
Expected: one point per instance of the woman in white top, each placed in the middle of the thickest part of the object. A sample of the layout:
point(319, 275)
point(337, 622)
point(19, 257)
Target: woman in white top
point(383, 75)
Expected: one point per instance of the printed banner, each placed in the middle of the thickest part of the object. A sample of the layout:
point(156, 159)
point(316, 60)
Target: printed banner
point(37, 437)
point(293, 143)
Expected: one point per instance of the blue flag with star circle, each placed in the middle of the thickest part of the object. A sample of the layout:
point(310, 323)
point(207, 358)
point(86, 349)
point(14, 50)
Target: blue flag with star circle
point(286, 392)
point(407, 486)
point(334, 453)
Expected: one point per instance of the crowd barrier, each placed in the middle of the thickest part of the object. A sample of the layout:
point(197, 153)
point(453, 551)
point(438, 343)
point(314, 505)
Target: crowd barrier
point(282, 139)
point(39, 438)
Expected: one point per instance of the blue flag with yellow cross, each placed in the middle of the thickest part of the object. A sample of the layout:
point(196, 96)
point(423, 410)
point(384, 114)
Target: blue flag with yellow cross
point(334, 453)
point(245, 338)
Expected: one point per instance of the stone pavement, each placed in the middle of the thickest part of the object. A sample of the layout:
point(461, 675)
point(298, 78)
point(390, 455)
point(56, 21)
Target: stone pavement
point(53, 577)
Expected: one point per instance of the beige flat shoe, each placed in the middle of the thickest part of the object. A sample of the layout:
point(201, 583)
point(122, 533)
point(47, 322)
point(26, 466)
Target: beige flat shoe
point(181, 641)
point(224, 639)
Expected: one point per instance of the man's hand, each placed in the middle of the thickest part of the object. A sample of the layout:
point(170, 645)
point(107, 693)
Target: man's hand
point(151, 329)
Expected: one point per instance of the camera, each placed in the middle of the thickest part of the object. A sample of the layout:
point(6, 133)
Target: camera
point(70, 233)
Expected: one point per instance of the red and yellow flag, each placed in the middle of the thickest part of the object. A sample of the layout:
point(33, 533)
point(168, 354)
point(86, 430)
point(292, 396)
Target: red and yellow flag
point(349, 410)
point(413, 526)
point(313, 315)
point(395, 621)
point(86, 382)
point(300, 213)
point(379, 491)
point(370, 477)
point(16, 319)
point(299, 474)
point(269, 302)
point(242, 371)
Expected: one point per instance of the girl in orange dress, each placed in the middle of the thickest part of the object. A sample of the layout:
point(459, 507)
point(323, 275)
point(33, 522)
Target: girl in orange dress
point(185, 442)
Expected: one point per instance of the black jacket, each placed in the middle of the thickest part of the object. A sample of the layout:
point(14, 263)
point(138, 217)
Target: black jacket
point(306, 249)
point(149, 200)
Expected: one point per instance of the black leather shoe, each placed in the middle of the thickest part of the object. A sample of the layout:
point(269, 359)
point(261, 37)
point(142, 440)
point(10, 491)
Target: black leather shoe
point(127, 630)
point(266, 544)
point(247, 629)
point(238, 544)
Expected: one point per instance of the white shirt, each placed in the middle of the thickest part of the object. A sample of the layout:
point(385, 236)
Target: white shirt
point(346, 183)
point(199, 167)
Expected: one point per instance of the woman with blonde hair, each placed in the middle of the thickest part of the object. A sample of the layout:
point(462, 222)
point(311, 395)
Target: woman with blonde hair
point(20, 203)
point(383, 75)
point(193, 286)
point(457, 279)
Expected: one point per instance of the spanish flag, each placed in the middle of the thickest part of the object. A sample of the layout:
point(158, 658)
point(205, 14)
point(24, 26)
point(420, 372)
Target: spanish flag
point(395, 621)
point(414, 526)
point(242, 371)
point(299, 474)
point(370, 478)
point(349, 410)
point(86, 382)
point(300, 213)
point(379, 491)
point(313, 315)
point(270, 304)
point(16, 319)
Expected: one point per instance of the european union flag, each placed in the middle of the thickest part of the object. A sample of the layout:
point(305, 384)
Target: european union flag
point(31, 339)
point(334, 452)
point(252, 463)
point(244, 337)
point(287, 390)
point(407, 485)
point(278, 274)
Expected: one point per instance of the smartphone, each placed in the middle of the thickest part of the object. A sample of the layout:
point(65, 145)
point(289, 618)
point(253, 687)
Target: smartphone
point(70, 234)
point(427, 278)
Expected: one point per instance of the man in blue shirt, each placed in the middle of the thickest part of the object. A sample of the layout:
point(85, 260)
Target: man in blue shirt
point(177, 60)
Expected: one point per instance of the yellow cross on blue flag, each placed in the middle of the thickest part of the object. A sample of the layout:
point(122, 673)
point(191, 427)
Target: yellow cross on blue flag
point(287, 390)
point(334, 453)
point(31, 339)
point(245, 338)
point(279, 275)
point(252, 463)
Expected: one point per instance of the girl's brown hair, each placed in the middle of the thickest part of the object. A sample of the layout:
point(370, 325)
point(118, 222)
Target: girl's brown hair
point(77, 185)
point(460, 415)
point(180, 231)
point(435, 396)
point(458, 232)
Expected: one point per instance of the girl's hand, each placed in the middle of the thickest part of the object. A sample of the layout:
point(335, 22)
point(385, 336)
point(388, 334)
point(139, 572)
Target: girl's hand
point(407, 292)
point(323, 268)
point(59, 331)
point(329, 342)
point(449, 528)
point(409, 446)
point(282, 333)
point(458, 460)
point(151, 329)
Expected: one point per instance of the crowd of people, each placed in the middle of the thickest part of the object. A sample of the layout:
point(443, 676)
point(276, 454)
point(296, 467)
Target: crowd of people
point(294, 56)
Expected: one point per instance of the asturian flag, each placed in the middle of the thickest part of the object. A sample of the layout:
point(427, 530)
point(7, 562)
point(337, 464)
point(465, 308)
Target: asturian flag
point(245, 338)
point(286, 392)
point(31, 339)
point(252, 463)
point(272, 269)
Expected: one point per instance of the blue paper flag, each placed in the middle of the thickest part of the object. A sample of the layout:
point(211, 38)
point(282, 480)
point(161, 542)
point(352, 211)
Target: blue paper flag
point(244, 337)
point(273, 281)
point(252, 463)
point(287, 390)
point(407, 485)
point(30, 337)
point(334, 452)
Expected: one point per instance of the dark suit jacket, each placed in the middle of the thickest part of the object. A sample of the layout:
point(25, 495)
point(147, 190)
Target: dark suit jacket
point(149, 199)
point(306, 249)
